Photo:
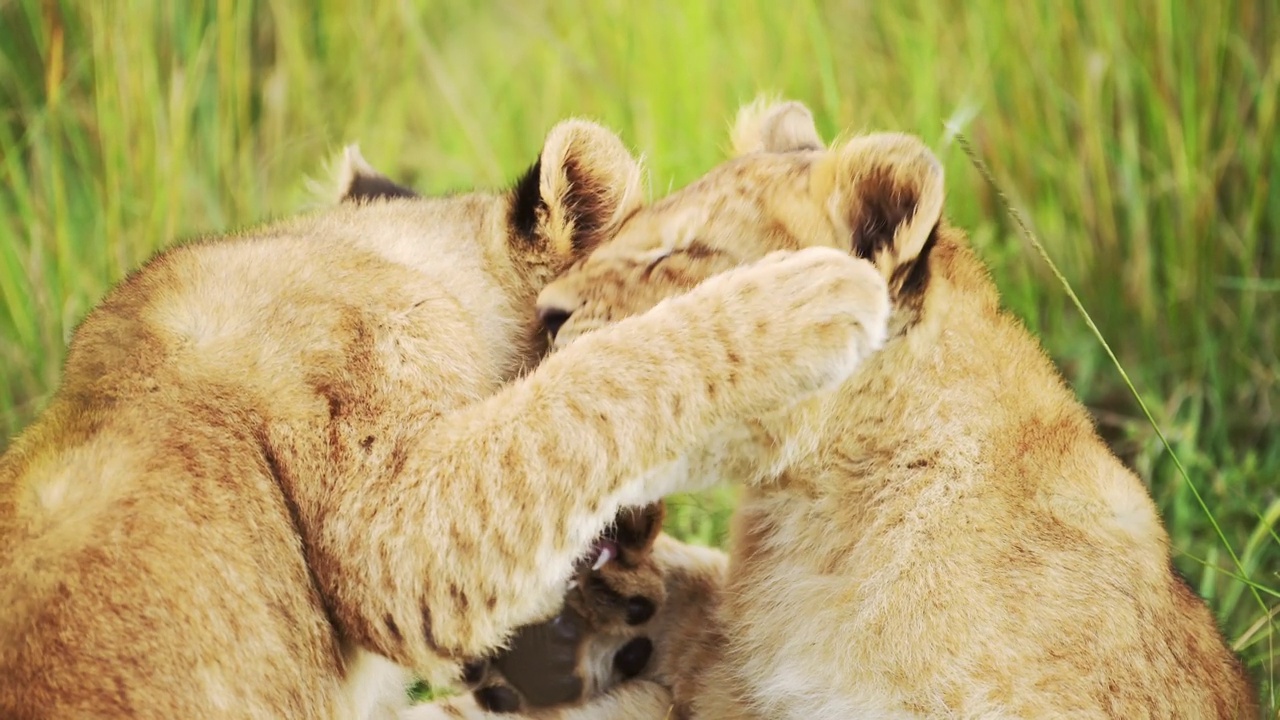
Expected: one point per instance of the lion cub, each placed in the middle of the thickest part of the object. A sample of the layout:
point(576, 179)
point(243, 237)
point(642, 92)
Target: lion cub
point(284, 464)
point(944, 535)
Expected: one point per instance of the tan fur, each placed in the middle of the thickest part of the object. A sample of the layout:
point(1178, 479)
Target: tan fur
point(945, 535)
point(283, 464)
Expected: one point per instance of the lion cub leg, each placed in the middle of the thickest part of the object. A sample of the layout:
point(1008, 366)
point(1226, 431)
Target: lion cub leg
point(477, 526)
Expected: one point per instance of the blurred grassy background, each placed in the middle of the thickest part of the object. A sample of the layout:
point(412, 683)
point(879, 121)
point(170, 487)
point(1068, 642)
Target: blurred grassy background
point(1139, 137)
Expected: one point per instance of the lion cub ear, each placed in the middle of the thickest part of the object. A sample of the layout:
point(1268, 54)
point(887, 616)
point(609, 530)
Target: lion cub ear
point(583, 185)
point(774, 127)
point(884, 192)
point(358, 182)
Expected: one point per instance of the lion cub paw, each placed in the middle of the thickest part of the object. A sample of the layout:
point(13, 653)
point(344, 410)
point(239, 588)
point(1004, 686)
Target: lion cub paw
point(818, 311)
point(597, 640)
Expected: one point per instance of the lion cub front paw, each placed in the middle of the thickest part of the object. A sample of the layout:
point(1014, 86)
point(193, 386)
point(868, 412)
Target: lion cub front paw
point(812, 316)
point(597, 639)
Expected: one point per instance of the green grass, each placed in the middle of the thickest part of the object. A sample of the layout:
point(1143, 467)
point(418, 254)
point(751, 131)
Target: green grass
point(1138, 138)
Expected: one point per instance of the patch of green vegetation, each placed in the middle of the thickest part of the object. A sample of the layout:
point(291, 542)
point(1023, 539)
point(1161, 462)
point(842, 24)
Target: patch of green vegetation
point(1139, 139)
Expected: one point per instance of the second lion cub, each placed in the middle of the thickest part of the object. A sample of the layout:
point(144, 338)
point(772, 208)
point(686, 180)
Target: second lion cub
point(943, 536)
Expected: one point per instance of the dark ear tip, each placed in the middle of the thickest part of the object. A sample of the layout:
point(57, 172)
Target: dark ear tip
point(527, 200)
point(368, 188)
point(361, 183)
point(587, 180)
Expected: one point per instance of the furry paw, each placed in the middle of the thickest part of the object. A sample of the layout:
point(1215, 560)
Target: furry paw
point(597, 639)
point(832, 308)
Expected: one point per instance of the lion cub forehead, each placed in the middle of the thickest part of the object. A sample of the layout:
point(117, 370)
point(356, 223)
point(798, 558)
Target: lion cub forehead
point(750, 189)
point(657, 231)
point(677, 229)
point(740, 188)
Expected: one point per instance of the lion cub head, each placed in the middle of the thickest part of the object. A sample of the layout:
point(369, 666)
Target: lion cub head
point(877, 196)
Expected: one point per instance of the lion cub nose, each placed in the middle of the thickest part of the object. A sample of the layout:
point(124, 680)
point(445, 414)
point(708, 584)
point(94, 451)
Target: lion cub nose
point(555, 305)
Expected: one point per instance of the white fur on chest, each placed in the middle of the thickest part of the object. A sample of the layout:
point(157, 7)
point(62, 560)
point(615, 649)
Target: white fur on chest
point(799, 673)
point(808, 649)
